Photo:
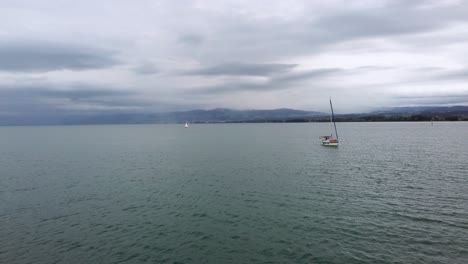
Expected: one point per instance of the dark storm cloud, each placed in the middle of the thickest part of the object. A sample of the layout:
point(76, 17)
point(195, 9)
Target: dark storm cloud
point(42, 57)
point(245, 69)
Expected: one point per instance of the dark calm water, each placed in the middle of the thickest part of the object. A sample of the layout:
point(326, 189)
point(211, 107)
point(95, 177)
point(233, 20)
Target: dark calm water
point(234, 193)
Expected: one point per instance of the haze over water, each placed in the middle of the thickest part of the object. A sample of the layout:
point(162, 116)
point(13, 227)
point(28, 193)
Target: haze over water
point(234, 193)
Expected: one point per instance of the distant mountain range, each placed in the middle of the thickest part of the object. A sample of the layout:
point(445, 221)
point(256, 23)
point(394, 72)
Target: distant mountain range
point(423, 110)
point(229, 115)
point(201, 116)
point(454, 113)
point(421, 113)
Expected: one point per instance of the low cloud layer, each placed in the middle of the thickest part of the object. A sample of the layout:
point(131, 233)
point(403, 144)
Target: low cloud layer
point(248, 69)
point(27, 100)
point(171, 55)
point(44, 57)
point(146, 68)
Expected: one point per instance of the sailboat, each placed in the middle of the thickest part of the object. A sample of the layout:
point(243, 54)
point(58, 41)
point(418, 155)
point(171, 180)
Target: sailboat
point(330, 140)
point(186, 125)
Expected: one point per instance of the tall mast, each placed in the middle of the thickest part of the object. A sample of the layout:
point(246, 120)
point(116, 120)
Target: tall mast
point(333, 119)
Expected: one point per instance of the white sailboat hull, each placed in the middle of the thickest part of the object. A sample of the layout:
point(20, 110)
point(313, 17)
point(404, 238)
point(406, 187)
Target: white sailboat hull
point(328, 143)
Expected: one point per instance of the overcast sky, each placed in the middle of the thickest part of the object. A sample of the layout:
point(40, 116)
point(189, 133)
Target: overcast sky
point(177, 55)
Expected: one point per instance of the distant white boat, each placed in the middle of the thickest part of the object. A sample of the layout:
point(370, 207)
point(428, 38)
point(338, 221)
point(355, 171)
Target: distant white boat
point(330, 140)
point(186, 125)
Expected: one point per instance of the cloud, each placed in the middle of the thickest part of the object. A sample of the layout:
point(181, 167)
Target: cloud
point(44, 57)
point(280, 82)
point(246, 69)
point(315, 30)
point(232, 54)
point(453, 75)
point(453, 99)
point(397, 18)
point(191, 39)
point(72, 92)
point(307, 75)
point(146, 68)
point(382, 21)
point(434, 74)
point(374, 68)
point(49, 99)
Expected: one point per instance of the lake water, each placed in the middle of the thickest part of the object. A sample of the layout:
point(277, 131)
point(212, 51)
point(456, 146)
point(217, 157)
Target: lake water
point(234, 193)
